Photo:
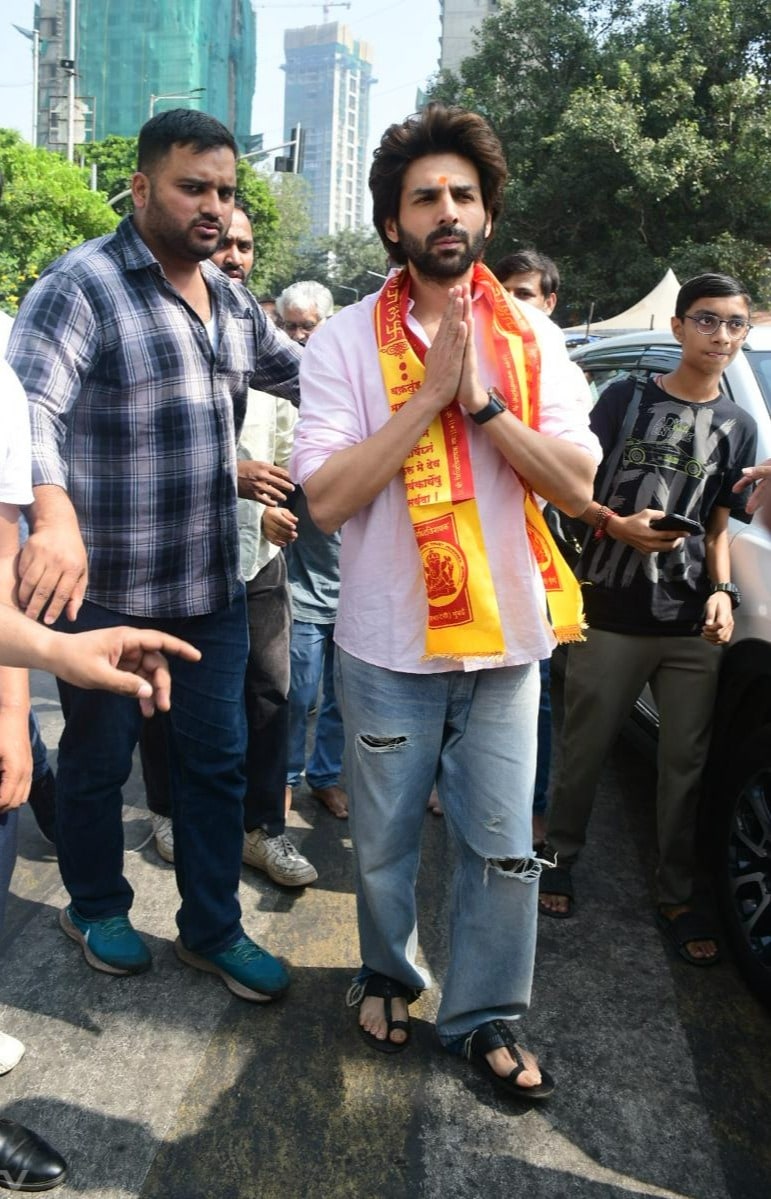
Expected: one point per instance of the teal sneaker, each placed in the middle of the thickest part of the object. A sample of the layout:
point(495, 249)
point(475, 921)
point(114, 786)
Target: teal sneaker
point(246, 970)
point(110, 945)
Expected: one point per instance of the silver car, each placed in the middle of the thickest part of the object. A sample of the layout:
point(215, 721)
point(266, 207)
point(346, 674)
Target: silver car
point(736, 807)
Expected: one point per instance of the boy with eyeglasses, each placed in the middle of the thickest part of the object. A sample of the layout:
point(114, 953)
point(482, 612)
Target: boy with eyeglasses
point(659, 601)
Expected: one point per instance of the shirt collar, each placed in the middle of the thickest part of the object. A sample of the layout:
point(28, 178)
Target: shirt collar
point(136, 255)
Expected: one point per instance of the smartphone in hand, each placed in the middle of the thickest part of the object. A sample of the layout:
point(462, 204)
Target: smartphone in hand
point(673, 522)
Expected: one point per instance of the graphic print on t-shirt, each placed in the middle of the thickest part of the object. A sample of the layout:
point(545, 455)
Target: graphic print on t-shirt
point(679, 457)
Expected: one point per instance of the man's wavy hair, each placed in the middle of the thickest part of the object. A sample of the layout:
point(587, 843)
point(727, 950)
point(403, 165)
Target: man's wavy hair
point(436, 129)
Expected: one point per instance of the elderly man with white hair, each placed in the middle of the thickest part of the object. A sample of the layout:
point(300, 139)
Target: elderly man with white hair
point(303, 307)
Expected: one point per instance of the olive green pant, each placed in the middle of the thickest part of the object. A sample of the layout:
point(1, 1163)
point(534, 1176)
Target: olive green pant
point(604, 676)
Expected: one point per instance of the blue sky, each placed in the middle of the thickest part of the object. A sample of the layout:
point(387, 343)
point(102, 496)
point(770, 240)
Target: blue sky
point(404, 36)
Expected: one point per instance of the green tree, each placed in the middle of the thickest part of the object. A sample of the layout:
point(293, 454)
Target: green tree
point(254, 192)
point(342, 262)
point(637, 137)
point(275, 261)
point(116, 161)
point(357, 261)
point(46, 209)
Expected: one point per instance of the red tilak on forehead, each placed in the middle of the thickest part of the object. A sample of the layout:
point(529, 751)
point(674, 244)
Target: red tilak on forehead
point(442, 179)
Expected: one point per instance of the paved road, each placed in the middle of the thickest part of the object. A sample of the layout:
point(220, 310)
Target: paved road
point(166, 1087)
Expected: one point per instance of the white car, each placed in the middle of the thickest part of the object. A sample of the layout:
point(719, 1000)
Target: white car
point(736, 808)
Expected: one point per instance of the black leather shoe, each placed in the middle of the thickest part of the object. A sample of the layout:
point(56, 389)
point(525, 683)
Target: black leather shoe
point(27, 1162)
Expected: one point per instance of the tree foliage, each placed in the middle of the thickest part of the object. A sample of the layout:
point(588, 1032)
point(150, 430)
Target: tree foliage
point(116, 159)
point(350, 263)
point(638, 136)
point(275, 263)
point(46, 209)
point(277, 208)
point(254, 192)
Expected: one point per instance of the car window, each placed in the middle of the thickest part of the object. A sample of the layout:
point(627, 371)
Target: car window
point(760, 362)
point(603, 367)
point(598, 380)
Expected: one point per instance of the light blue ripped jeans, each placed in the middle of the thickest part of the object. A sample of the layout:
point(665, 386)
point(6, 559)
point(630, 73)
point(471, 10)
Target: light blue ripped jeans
point(474, 732)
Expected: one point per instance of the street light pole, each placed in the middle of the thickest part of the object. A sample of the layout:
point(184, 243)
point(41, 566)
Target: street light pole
point(34, 36)
point(71, 85)
point(193, 94)
point(344, 287)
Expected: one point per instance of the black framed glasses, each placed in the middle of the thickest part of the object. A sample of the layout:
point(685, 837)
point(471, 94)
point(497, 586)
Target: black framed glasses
point(709, 323)
point(305, 326)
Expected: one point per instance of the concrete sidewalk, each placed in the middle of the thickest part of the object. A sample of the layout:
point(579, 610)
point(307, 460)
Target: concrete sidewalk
point(167, 1087)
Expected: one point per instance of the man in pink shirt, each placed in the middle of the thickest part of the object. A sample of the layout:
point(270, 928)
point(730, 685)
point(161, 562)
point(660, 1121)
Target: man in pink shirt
point(430, 413)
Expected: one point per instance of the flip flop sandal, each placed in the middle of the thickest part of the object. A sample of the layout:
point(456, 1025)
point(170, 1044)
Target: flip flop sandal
point(498, 1034)
point(556, 880)
point(386, 989)
point(688, 926)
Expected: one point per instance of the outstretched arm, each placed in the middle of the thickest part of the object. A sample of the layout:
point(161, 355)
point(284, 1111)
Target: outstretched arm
point(124, 660)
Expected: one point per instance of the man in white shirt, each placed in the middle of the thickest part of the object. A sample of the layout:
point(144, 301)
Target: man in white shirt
point(430, 413)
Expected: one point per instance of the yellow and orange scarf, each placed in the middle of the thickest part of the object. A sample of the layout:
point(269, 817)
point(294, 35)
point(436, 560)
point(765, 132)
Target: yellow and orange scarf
point(463, 616)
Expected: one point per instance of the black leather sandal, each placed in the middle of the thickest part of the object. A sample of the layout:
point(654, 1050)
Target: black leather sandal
point(499, 1034)
point(386, 989)
point(556, 880)
point(688, 926)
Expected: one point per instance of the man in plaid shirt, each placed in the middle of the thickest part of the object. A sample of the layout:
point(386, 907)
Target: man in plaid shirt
point(136, 355)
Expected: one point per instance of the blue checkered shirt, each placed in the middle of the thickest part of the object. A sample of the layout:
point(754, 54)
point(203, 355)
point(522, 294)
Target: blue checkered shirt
point(136, 417)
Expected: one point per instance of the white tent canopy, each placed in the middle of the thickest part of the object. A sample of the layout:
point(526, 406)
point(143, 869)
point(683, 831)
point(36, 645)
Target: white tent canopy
point(651, 312)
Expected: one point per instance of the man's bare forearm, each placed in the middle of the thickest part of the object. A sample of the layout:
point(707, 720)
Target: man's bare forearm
point(555, 469)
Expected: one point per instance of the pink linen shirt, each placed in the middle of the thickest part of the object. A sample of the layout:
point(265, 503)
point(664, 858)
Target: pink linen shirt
point(383, 607)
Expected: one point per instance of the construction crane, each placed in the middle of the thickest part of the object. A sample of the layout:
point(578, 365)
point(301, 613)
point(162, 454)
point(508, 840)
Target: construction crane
point(324, 7)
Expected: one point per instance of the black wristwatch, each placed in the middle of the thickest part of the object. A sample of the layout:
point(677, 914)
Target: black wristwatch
point(496, 404)
point(730, 589)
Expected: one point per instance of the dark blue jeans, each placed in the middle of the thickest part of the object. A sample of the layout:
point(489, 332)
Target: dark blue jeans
point(266, 693)
point(312, 657)
point(39, 751)
point(9, 823)
point(206, 736)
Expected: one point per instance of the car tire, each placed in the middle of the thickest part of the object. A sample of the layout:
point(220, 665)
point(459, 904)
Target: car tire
point(742, 858)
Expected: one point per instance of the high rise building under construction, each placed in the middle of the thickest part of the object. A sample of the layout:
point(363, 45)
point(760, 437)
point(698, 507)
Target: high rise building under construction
point(137, 56)
point(328, 77)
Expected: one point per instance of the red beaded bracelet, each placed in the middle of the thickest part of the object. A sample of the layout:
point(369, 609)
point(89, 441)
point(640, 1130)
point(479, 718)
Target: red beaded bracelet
point(601, 522)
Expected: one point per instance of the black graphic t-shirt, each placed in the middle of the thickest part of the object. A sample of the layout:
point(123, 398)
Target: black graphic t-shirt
point(680, 457)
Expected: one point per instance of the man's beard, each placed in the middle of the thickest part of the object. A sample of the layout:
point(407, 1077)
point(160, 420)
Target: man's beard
point(442, 264)
point(183, 242)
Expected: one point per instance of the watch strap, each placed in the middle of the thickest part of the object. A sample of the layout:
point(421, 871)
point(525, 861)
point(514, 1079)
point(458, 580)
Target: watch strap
point(495, 405)
point(730, 589)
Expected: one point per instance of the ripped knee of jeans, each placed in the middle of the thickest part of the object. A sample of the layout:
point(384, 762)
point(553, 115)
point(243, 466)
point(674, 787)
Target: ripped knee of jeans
point(380, 744)
point(524, 870)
